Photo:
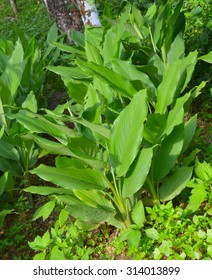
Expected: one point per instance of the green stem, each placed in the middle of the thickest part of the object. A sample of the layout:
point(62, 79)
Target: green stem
point(120, 202)
point(152, 191)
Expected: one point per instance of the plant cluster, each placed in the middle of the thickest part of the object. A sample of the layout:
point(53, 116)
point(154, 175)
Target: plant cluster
point(128, 107)
point(22, 77)
point(169, 233)
point(120, 143)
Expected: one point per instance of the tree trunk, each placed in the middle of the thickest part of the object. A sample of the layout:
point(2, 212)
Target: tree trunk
point(88, 12)
point(14, 7)
point(73, 14)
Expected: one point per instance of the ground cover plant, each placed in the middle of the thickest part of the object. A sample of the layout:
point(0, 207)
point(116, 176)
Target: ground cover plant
point(123, 164)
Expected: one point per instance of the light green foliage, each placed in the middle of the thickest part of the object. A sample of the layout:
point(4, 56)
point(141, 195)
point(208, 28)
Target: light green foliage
point(129, 130)
point(128, 106)
point(63, 241)
point(201, 185)
point(21, 84)
point(171, 233)
point(126, 134)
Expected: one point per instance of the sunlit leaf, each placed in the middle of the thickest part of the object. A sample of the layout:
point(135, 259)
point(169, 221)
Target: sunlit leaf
point(72, 178)
point(138, 173)
point(126, 133)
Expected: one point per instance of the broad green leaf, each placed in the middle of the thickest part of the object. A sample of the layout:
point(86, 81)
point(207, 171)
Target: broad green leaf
point(40, 243)
point(189, 130)
point(36, 244)
point(102, 129)
point(94, 36)
point(89, 216)
point(86, 150)
point(198, 195)
point(196, 91)
point(71, 72)
point(83, 146)
point(92, 106)
point(152, 233)
point(111, 46)
point(30, 103)
point(39, 124)
point(49, 146)
point(175, 24)
point(190, 158)
point(203, 170)
point(158, 25)
point(133, 238)
point(174, 184)
point(86, 225)
point(138, 214)
point(72, 178)
point(63, 216)
point(62, 162)
point(156, 61)
point(46, 239)
point(94, 215)
point(137, 16)
point(39, 256)
point(53, 33)
point(154, 128)
point(66, 48)
point(107, 75)
point(168, 153)
point(76, 149)
point(151, 12)
point(187, 69)
point(177, 49)
point(44, 190)
point(104, 89)
point(94, 198)
point(176, 115)
point(92, 53)
point(126, 133)
point(78, 38)
point(13, 72)
point(56, 254)
point(44, 211)
point(112, 39)
point(137, 175)
point(129, 72)
point(8, 151)
point(168, 87)
point(76, 91)
point(166, 247)
point(207, 57)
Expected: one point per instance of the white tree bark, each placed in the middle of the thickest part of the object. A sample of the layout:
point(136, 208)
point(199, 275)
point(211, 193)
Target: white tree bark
point(89, 12)
point(73, 14)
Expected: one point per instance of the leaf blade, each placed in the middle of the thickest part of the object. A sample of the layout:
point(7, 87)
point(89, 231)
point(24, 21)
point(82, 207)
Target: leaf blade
point(174, 184)
point(126, 133)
